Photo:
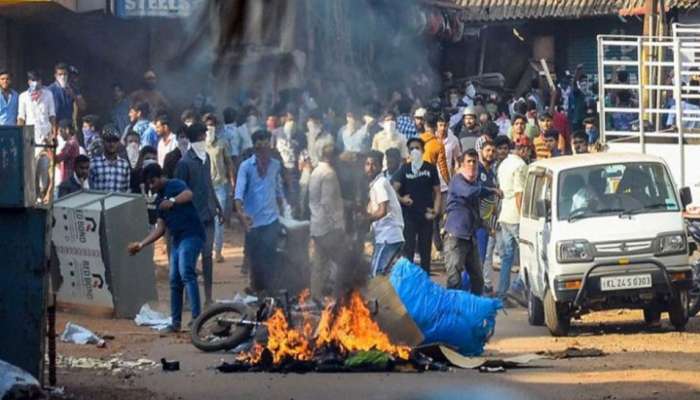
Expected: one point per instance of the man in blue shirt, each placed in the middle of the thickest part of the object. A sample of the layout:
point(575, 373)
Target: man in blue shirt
point(139, 123)
point(64, 94)
point(463, 219)
point(259, 199)
point(9, 100)
point(177, 214)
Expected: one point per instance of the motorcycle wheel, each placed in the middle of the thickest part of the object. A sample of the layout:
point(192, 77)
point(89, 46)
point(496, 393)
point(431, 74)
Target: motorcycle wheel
point(210, 333)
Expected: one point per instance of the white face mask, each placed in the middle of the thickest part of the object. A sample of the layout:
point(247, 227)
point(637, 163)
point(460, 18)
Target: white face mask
point(313, 127)
point(367, 119)
point(211, 134)
point(33, 85)
point(252, 121)
point(132, 153)
point(288, 128)
point(416, 159)
point(62, 81)
point(390, 126)
point(200, 150)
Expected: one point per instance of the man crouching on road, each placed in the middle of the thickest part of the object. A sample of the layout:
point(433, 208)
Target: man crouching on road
point(176, 212)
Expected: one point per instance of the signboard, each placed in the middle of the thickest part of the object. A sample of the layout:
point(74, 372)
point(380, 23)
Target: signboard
point(154, 8)
point(76, 235)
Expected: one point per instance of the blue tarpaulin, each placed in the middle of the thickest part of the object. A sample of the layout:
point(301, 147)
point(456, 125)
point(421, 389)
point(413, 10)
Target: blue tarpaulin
point(453, 317)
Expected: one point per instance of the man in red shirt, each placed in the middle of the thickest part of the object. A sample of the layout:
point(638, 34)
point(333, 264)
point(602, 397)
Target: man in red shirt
point(66, 156)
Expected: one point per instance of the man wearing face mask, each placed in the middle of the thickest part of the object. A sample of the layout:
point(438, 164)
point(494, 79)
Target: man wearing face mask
point(149, 94)
point(89, 130)
point(259, 200)
point(195, 170)
point(353, 136)
point(64, 95)
point(36, 107)
point(316, 137)
point(132, 145)
point(389, 137)
point(172, 158)
point(222, 176)
point(166, 139)
point(418, 187)
point(433, 148)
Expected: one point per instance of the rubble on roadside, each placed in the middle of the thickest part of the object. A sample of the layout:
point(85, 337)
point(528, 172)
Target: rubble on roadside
point(114, 364)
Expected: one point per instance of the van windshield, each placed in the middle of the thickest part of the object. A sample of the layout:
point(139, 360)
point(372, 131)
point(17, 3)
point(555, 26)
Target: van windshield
point(623, 189)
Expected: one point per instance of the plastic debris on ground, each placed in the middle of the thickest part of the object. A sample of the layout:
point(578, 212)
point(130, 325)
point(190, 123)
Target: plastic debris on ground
point(152, 318)
point(239, 299)
point(453, 317)
point(16, 383)
point(74, 333)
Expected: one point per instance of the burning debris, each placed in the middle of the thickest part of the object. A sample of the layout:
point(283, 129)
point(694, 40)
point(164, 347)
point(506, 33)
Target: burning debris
point(344, 338)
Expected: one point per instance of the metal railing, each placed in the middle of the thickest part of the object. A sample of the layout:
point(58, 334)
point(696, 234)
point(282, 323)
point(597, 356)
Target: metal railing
point(660, 70)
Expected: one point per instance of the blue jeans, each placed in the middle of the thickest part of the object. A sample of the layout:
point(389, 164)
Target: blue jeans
point(183, 275)
point(382, 255)
point(482, 242)
point(509, 235)
point(221, 192)
point(488, 260)
point(261, 249)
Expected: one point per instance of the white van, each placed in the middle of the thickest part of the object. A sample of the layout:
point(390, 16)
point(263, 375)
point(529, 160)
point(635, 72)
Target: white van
point(603, 231)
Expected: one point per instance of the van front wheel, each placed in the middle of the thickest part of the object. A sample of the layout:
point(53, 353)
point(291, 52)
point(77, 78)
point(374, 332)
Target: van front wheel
point(678, 310)
point(555, 317)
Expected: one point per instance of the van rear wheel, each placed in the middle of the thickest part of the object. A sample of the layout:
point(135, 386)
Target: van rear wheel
point(535, 310)
point(557, 320)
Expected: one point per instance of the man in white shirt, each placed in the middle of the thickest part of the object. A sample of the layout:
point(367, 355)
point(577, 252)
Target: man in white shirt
point(327, 227)
point(37, 108)
point(166, 139)
point(389, 137)
point(384, 212)
point(511, 179)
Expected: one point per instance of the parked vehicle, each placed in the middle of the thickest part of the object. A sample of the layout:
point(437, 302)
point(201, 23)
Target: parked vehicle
point(604, 231)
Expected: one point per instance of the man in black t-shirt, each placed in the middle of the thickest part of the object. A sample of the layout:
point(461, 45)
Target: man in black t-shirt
point(418, 186)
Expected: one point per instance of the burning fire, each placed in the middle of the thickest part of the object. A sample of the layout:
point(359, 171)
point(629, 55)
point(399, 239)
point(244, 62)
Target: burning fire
point(349, 328)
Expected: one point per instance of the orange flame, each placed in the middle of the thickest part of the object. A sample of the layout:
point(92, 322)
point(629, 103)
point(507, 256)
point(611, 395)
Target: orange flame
point(350, 328)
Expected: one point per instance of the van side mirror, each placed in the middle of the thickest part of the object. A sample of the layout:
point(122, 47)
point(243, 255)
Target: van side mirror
point(686, 196)
point(542, 207)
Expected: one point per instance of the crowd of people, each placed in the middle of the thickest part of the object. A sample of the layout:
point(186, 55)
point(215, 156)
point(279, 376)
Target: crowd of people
point(426, 176)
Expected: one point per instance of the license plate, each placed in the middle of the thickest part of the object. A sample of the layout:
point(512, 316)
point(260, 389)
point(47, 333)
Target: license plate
point(625, 282)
